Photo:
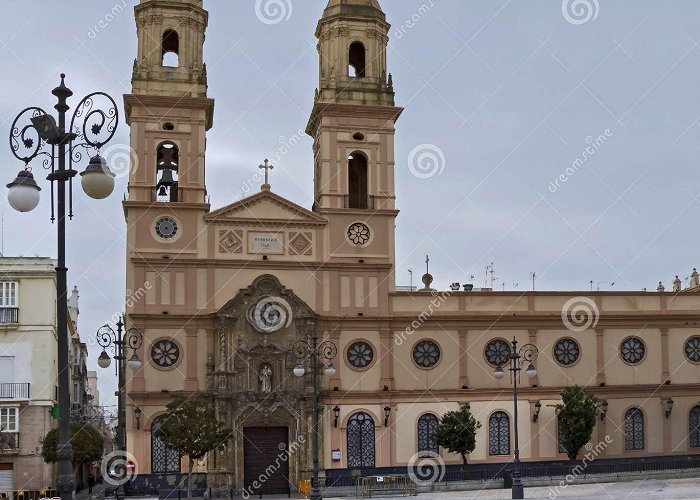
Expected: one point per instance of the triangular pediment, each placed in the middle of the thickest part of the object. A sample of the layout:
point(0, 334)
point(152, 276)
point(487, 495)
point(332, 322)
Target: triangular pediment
point(265, 206)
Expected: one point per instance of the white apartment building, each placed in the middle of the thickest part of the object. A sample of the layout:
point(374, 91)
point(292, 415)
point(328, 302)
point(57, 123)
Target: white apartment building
point(28, 367)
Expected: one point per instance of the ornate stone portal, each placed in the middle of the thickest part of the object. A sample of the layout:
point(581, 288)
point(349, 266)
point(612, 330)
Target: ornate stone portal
point(251, 381)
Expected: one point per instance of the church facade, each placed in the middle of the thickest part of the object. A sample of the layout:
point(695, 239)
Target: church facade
point(228, 293)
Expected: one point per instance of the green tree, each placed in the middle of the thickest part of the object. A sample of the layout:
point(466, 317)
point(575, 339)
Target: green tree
point(577, 418)
point(457, 433)
point(87, 442)
point(190, 426)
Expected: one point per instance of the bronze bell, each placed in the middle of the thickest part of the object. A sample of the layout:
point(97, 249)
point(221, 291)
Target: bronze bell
point(167, 159)
point(166, 181)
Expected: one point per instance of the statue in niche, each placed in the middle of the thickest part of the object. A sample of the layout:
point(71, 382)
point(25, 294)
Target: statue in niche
point(265, 379)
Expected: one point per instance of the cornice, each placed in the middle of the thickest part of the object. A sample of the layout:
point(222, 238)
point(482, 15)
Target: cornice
point(152, 101)
point(371, 112)
point(489, 394)
point(263, 264)
point(439, 324)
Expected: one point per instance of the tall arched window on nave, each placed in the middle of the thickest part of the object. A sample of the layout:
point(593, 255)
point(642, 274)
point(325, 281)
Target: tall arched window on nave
point(163, 458)
point(427, 429)
point(499, 433)
point(361, 440)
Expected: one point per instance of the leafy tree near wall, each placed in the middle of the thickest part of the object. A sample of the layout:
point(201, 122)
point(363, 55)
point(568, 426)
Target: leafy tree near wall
point(577, 418)
point(190, 426)
point(457, 433)
point(87, 442)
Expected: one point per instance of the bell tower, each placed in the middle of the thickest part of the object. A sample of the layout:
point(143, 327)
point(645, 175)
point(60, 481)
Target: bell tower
point(168, 110)
point(354, 114)
point(353, 125)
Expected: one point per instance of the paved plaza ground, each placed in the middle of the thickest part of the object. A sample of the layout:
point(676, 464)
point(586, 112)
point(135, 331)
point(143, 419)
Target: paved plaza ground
point(652, 489)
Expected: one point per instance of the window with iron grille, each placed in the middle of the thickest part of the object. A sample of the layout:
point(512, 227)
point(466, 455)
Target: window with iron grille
point(427, 429)
point(163, 458)
point(634, 429)
point(361, 440)
point(694, 427)
point(9, 419)
point(499, 433)
point(560, 437)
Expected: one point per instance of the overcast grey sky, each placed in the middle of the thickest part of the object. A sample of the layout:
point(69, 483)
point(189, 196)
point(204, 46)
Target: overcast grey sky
point(508, 92)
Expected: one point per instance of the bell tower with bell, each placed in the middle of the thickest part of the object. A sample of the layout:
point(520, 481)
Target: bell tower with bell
point(169, 114)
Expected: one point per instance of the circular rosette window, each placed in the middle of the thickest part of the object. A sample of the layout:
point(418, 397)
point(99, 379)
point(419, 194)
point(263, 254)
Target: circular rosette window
point(270, 314)
point(165, 353)
point(359, 234)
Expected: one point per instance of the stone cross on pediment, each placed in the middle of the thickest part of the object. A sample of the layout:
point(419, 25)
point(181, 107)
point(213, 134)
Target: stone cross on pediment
point(266, 167)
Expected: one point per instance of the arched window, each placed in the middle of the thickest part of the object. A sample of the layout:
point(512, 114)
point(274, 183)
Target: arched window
point(361, 440)
point(634, 429)
point(171, 49)
point(499, 433)
point(357, 181)
point(560, 437)
point(694, 427)
point(427, 428)
point(167, 168)
point(163, 458)
point(357, 60)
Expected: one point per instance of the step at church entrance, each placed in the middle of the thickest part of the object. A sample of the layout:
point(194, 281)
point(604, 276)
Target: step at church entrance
point(265, 460)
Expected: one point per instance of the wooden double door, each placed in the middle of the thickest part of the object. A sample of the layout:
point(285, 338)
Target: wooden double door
point(265, 460)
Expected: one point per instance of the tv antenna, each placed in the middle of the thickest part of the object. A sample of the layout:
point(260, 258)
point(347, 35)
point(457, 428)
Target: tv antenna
point(489, 270)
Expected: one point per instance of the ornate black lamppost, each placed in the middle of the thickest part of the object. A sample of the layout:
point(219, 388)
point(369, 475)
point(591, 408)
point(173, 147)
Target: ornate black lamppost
point(315, 353)
point(516, 359)
point(122, 341)
point(36, 133)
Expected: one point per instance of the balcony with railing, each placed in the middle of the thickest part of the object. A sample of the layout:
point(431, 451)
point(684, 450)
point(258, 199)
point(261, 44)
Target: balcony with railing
point(14, 390)
point(9, 315)
point(360, 203)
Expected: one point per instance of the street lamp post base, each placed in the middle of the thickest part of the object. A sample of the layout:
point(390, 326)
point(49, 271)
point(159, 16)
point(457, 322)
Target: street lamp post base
point(316, 495)
point(518, 490)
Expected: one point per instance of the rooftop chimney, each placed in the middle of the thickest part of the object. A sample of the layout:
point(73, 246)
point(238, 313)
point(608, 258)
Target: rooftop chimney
point(661, 287)
point(694, 279)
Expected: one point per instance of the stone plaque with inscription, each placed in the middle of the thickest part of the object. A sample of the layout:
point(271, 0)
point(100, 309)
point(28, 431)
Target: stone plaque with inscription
point(269, 243)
